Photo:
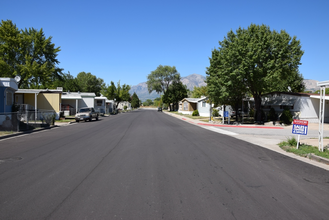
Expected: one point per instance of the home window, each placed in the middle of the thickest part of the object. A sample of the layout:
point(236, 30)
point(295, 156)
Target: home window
point(99, 102)
point(203, 104)
point(9, 96)
point(185, 106)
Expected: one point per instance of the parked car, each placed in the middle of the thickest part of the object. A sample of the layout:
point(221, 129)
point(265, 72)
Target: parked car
point(159, 109)
point(86, 114)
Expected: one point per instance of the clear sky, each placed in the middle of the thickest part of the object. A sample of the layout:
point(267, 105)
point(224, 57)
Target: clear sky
point(127, 39)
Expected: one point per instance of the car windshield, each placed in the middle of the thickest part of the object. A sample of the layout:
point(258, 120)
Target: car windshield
point(84, 110)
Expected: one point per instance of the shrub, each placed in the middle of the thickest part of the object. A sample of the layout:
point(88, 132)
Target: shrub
point(252, 113)
point(286, 116)
point(215, 112)
point(125, 107)
point(272, 115)
point(195, 113)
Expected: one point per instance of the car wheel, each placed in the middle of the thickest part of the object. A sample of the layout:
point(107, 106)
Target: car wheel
point(90, 118)
point(77, 121)
point(96, 118)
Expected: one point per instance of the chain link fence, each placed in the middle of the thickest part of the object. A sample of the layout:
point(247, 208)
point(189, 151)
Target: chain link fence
point(26, 120)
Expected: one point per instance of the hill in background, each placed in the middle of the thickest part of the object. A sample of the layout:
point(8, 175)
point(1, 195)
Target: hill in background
point(198, 80)
point(190, 81)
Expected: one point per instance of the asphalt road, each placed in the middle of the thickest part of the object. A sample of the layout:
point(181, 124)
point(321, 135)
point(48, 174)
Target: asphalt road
point(148, 165)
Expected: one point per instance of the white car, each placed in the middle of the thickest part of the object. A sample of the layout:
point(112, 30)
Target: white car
point(86, 114)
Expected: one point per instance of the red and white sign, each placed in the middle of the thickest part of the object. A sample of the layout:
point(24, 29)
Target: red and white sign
point(300, 127)
point(300, 122)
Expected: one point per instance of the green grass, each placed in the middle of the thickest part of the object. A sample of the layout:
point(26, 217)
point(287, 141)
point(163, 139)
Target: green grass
point(64, 120)
point(291, 146)
point(189, 116)
point(6, 132)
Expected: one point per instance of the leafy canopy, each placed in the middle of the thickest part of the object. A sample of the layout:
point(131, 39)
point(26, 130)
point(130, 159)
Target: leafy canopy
point(90, 83)
point(199, 91)
point(135, 101)
point(28, 54)
point(176, 92)
point(160, 79)
point(254, 61)
point(119, 93)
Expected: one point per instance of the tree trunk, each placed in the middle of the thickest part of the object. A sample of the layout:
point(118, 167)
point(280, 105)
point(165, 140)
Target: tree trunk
point(258, 102)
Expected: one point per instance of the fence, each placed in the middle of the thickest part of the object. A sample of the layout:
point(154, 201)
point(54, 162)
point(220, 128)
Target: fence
point(26, 120)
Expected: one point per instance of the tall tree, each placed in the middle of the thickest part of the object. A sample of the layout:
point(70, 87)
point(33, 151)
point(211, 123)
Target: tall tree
point(90, 83)
point(29, 54)
point(68, 83)
point(176, 92)
point(199, 91)
point(160, 79)
point(119, 93)
point(134, 101)
point(255, 60)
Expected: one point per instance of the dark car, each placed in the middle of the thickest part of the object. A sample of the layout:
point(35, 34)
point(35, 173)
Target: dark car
point(159, 109)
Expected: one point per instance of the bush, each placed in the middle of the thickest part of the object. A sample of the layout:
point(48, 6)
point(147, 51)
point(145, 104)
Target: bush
point(272, 115)
point(286, 116)
point(252, 113)
point(125, 107)
point(195, 113)
point(215, 112)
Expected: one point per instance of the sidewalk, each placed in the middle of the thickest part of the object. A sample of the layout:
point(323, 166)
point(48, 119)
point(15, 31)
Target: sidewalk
point(267, 141)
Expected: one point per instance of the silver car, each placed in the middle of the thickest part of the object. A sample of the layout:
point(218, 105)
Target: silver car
point(86, 114)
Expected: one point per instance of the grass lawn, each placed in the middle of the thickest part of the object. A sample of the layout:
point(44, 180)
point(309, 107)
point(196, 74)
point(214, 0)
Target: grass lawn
point(64, 120)
point(189, 116)
point(303, 150)
point(6, 132)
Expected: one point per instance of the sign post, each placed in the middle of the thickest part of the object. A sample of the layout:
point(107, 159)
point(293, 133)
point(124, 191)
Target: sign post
point(299, 127)
point(227, 116)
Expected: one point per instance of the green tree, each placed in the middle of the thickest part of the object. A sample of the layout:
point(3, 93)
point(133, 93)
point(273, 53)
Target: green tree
point(90, 83)
point(148, 102)
point(135, 101)
point(326, 91)
point(67, 82)
point(199, 91)
point(158, 101)
point(29, 54)
point(160, 79)
point(176, 92)
point(255, 60)
point(119, 93)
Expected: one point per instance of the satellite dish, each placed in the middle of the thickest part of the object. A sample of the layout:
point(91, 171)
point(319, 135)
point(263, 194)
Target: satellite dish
point(17, 78)
point(289, 89)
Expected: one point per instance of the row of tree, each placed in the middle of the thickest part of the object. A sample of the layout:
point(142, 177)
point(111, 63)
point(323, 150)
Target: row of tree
point(248, 62)
point(30, 55)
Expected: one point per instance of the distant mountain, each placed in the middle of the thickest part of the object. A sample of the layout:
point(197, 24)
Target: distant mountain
point(190, 81)
point(311, 85)
point(142, 92)
point(194, 80)
point(198, 80)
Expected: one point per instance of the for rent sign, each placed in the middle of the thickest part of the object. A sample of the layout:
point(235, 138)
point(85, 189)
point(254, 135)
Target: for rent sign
point(300, 127)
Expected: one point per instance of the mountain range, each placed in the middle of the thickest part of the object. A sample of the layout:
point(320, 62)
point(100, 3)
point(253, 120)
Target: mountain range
point(190, 81)
point(197, 80)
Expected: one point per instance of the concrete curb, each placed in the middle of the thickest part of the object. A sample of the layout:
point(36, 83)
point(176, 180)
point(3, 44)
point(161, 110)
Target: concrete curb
point(317, 158)
point(26, 132)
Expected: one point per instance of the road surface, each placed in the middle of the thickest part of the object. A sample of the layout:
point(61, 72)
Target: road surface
point(149, 165)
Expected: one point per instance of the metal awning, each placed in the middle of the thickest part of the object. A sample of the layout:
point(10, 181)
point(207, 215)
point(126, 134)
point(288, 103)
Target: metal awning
point(287, 102)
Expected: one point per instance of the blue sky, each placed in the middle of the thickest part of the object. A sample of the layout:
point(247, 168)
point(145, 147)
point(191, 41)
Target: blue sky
point(126, 40)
